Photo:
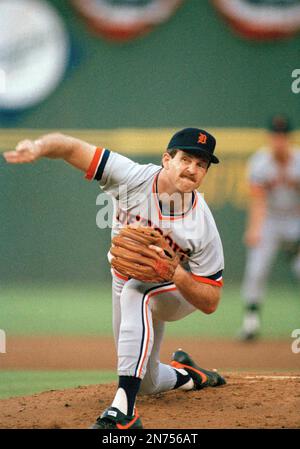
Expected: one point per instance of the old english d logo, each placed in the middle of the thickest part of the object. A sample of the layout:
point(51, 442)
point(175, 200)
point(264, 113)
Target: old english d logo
point(202, 138)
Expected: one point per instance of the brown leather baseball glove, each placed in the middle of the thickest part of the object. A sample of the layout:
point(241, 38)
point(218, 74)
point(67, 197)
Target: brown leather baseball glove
point(133, 258)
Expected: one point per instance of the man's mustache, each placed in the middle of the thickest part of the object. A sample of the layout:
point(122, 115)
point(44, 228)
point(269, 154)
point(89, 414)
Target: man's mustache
point(192, 178)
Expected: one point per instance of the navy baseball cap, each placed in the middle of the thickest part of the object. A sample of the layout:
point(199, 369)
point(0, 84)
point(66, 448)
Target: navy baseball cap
point(195, 141)
point(280, 124)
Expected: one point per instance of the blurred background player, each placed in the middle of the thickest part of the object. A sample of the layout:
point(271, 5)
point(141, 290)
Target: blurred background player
point(273, 217)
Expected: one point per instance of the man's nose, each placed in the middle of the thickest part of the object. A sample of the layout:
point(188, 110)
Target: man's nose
point(193, 167)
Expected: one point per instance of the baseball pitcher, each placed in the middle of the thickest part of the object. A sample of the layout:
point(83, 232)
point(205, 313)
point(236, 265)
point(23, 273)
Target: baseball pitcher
point(166, 257)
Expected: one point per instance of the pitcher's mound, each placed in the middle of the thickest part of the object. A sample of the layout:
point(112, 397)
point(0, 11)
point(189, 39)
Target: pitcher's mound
point(248, 400)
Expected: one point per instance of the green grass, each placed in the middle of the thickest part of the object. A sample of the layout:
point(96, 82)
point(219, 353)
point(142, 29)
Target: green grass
point(63, 310)
point(86, 310)
point(23, 383)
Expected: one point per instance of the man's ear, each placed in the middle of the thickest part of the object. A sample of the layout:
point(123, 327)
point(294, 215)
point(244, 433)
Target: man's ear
point(166, 157)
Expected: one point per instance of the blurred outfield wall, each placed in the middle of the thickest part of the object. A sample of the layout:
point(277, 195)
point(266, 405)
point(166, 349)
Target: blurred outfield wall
point(189, 71)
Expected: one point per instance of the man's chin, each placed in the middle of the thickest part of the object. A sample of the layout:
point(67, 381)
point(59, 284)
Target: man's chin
point(187, 186)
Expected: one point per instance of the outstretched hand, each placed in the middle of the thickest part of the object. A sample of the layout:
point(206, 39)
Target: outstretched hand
point(26, 151)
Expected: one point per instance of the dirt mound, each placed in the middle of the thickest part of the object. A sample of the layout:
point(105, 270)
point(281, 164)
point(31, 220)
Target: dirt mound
point(247, 401)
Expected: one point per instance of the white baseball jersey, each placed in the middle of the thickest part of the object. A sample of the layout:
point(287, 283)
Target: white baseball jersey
point(283, 194)
point(134, 189)
point(282, 223)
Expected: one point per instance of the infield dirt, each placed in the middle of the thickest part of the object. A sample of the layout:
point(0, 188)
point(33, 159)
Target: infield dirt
point(262, 390)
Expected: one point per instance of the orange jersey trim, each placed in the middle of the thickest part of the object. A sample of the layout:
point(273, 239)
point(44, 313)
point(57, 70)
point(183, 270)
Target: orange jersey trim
point(90, 174)
point(205, 280)
point(120, 276)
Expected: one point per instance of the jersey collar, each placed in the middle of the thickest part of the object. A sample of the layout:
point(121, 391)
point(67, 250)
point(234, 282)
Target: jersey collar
point(172, 216)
